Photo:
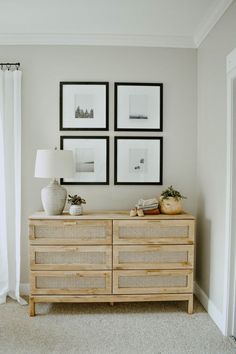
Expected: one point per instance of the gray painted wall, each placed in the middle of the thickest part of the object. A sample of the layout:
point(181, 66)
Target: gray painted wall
point(212, 112)
point(45, 66)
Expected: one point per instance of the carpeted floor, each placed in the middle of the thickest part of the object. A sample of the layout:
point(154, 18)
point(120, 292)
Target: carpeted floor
point(135, 328)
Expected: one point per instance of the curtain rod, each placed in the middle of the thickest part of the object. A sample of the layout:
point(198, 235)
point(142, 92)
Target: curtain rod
point(8, 65)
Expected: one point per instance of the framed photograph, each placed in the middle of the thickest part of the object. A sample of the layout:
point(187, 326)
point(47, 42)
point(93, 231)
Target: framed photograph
point(91, 156)
point(84, 105)
point(138, 160)
point(138, 106)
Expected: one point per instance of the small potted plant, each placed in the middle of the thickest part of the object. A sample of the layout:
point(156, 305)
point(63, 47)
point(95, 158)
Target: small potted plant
point(171, 201)
point(76, 202)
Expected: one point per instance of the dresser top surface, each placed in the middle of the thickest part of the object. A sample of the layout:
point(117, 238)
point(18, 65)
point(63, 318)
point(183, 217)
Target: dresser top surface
point(109, 215)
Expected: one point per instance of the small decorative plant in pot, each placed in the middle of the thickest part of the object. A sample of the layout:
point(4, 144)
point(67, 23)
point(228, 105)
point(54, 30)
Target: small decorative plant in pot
point(171, 201)
point(76, 202)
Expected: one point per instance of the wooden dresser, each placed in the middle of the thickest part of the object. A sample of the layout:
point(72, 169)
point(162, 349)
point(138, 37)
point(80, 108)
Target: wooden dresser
point(111, 257)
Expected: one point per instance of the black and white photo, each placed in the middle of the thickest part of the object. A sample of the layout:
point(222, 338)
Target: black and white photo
point(84, 105)
point(84, 158)
point(138, 160)
point(91, 157)
point(138, 106)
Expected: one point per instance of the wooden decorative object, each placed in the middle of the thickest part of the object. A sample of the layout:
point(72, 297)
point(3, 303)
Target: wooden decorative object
point(111, 257)
point(171, 206)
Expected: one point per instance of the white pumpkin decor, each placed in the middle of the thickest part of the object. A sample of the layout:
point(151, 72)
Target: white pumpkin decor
point(76, 202)
point(76, 210)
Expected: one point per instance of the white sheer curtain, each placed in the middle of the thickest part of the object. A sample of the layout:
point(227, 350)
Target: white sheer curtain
point(10, 184)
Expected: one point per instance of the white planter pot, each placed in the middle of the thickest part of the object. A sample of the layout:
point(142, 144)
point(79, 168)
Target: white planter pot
point(170, 206)
point(76, 210)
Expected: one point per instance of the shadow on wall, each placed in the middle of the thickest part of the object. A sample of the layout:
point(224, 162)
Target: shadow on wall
point(203, 247)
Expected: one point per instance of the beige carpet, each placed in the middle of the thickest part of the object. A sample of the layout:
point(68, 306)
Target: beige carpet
point(136, 328)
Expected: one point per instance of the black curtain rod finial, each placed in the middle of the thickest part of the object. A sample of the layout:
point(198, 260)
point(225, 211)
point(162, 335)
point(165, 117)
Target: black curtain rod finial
point(9, 65)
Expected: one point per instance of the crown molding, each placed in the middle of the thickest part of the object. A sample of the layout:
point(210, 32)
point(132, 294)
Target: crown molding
point(97, 40)
point(109, 39)
point(210, 22)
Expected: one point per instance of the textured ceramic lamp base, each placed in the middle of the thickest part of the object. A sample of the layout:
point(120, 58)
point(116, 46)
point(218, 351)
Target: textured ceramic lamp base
point(53, 198)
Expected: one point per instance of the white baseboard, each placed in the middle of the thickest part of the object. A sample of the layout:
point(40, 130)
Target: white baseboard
point(212, 310)
point(24, 289)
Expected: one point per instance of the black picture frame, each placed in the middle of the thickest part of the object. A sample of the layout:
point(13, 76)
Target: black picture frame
point(117, 138)
point(61, 105)
point(116, 113)
point(107, 158)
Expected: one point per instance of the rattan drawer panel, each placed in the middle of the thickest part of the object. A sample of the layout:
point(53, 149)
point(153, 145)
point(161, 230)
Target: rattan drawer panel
point(153, 231)
point(153, 257)
point(82, 282)
point(71, 232)
point(71, 257)
point(152, 281)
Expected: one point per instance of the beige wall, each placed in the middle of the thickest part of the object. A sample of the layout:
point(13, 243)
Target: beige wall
point(45, 66)
point(212, 155)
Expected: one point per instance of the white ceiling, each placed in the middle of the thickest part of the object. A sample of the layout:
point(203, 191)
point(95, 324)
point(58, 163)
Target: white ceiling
point(168, 23)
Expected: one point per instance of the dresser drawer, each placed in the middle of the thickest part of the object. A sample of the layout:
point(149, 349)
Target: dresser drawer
point(70, 257)
point(152, 281)
point(71, 282)
point(153, 257)
point(153, 231)
point(70, 232)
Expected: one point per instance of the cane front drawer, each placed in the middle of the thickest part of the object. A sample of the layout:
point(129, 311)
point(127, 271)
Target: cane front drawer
point(153, 231)
point(152, 281)
point(70, 282)
point(71, 257)
point(71, 232)
point(153, 257)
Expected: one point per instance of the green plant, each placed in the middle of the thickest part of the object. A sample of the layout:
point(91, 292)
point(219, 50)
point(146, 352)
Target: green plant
point(76, 200)
point(171, 192)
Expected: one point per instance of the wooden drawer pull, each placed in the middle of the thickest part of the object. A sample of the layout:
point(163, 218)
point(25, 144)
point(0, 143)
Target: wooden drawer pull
point(68, 223)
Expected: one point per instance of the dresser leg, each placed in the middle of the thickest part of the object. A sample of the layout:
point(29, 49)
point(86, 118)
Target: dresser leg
point(111, 303)
point(31, 307)
point(190, 305)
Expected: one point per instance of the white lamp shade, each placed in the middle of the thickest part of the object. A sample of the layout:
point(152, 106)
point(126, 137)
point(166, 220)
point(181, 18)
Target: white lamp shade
point(54, 164)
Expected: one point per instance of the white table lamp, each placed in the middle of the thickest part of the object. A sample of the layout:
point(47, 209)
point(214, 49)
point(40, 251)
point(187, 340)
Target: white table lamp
point(54, 164)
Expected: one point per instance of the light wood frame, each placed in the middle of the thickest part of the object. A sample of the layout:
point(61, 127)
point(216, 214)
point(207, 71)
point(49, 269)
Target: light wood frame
point(76, 266)
point(111, 244)
point(117, 265)
point(36, 299)
point(107, 224)
point(157, 290)
point(118, 239)
point(107, 275)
